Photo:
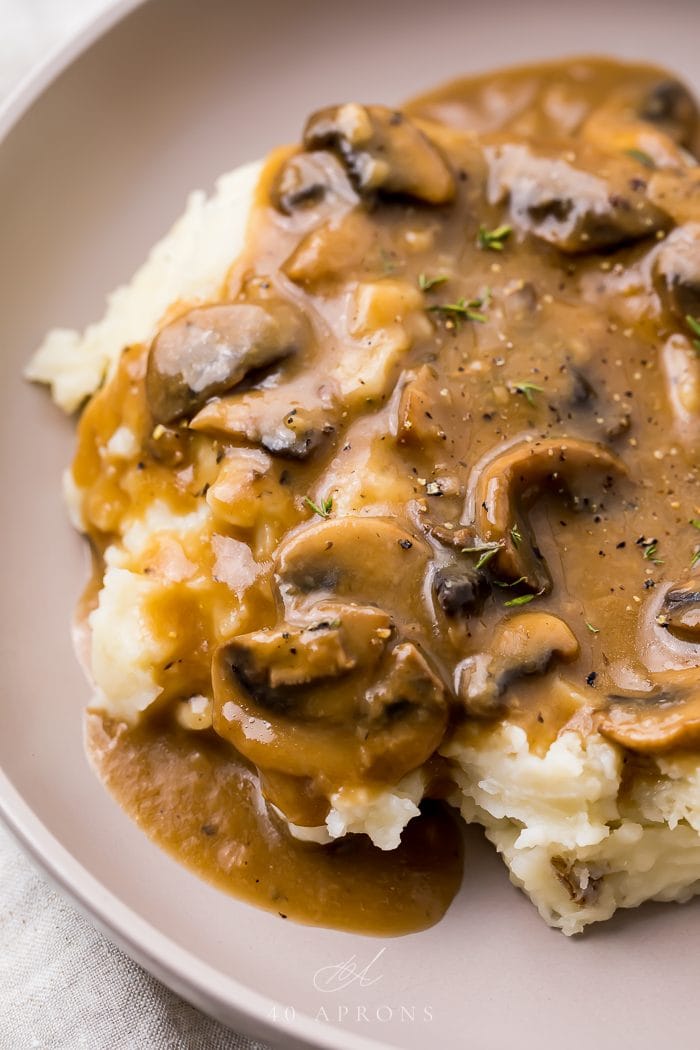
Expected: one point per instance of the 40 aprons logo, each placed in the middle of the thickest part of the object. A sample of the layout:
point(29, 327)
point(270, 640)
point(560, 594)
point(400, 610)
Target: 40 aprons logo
point(343, 984)
point(339, 976)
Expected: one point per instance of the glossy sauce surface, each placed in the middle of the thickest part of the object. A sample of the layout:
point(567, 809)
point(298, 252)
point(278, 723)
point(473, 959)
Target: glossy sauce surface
point(448, 461)
point(204, 806)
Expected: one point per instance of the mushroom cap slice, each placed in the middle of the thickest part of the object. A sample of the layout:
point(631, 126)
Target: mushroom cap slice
point(382, 149)
point(680, 610)
point(523, 644)
point(460, 590)
point(289, 420)
point(670, 106)
point(668, 717)
point(500, 491)
point(363, 559)
point(676, 271)
point(569, 203)
point(307, 180)
point(210, 349)
point(651, 126)
point(336, 699)
point(420, 408)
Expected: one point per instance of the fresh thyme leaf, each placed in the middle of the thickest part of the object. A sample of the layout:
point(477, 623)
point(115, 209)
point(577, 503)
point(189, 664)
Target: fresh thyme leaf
point(694, 325)
point(486, 551)
point(516, 536)
point(592, 629)
point(522, 599)
point(323, 509)
point(527, 390)
point(695, 559)
point(493, 240)
point(500, 583)
point(464, 309)
point(650, 554)
point(486, 557)
point(426, 284)
point(641, 156)
point(695, 522)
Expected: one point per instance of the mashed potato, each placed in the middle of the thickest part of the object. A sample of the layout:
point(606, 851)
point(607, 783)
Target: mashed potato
point(577, 844)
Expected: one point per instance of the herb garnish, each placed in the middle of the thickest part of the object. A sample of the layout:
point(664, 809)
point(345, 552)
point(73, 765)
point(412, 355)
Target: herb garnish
point(695, 559)
point(642, 157)
point(323, 509)
point(500, 583)
point(527, 390)
point(650, 550)
point(694, 325)
point(592, 629)
point(516, 536)
point(486, 550)
point(426, 284)
point(493, 240)
point(522, 599)
point(463, 309)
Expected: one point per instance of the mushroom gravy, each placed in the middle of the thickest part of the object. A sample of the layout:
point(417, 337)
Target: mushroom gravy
point(439, 432)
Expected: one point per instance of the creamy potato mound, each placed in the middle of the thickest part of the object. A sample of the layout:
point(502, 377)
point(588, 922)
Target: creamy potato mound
point(432, 471)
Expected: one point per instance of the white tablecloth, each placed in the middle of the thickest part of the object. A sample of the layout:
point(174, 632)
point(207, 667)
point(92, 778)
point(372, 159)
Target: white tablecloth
point(63, 985)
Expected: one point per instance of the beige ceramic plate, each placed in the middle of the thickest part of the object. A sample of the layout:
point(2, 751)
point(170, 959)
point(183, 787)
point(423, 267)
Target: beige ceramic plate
point(90, 174)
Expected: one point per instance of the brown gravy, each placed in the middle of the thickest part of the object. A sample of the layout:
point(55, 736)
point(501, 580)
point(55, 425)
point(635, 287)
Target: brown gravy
point(520, 421)
point(204, 806)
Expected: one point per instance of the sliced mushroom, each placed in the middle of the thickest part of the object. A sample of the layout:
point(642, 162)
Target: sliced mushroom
point(680, 610)
point(676, 271)
point(420, 409)
point(407, 715)
point(309, 179)
point(570, 204)
point(681, 370)
point(209, 350)
point(289, 420)
point(339, 245)
point(618, 129)
point(382, 150)
point(667, 717)
point(269, 662)
point(364, 559)
point(460, 590)
point(523, 644)
point(383, 715)
point(670, 106)
point(500, 492)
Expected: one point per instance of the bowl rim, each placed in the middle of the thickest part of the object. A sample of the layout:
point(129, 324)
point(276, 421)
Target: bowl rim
point(185, 974)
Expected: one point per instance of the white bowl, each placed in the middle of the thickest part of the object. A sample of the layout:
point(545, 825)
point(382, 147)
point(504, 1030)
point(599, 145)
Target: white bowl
point(93, 168)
